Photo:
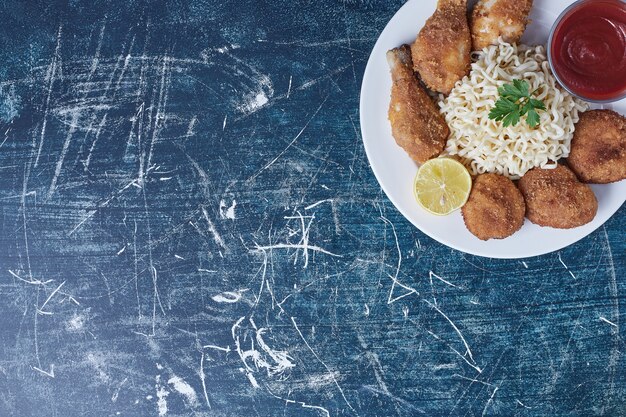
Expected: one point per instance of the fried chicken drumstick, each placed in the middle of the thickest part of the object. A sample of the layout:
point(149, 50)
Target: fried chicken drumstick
point(441, 51)
point(494, 18)
point(416, 123)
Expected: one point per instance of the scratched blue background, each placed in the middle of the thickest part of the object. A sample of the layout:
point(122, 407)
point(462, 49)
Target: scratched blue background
point(190, 228)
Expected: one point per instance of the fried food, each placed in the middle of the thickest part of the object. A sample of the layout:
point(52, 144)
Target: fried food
point(441, 52)
point(555, 198)
point(494, 18)
point(416, 123)
point(598, 149)
point(495, 208)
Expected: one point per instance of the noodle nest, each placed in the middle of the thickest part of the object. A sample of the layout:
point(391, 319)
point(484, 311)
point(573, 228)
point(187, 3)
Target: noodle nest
point(485, 145)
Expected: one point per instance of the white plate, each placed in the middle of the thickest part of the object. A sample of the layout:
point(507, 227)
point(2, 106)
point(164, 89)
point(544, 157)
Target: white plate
point(395, 171)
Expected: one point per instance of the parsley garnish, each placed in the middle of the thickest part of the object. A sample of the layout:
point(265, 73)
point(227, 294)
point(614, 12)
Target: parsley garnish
point(516, 101)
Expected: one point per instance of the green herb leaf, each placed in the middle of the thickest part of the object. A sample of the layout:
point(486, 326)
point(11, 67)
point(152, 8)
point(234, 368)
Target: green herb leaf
point(509, 91)
point(516, 101)
point(522, 87)
point(532, 118)
point(538, 104)
point(502, 108)
point(526, 108)
point(511, 119)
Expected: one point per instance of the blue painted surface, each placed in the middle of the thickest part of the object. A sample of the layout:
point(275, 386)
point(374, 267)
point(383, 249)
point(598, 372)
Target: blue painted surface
point(189, 226)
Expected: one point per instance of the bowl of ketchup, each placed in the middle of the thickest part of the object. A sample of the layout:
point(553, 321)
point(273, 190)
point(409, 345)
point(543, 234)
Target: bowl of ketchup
point(587, 50)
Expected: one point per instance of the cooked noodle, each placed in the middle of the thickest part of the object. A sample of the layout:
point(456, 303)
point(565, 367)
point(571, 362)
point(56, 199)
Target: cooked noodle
point(486, 145)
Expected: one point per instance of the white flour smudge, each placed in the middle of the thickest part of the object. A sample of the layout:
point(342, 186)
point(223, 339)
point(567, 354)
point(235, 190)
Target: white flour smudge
point(76, 323)
point(161, 394)
point(275, 362)
point(228, 296)
point(227, 212)
point(253, 102)
point(184, 388)
point(98, 361)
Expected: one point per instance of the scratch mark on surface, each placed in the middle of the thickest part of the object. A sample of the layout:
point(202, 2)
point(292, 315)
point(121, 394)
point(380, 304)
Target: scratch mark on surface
point(96, 57)
point(160, 118)
point(117, 391)
point(136, 268)
point(289, 89)
point(432, 288)
point(216, 236)
point(432, 274)
point(126, 61)
point(40, 309)
point(50, 373)
point(89, 215)
point(203, 380)
point(191, 126)
point(394, 278)
point(565, 266)
point(32, 282)
point(489, 401)
point(302, 244)
point(613, 291)
point(155, 298)
point(66, 146)
point(309, 207)
point(226, 349)
point(93, 145)
point(402, 401)
point(297, 246)
point(474, 380)
point(295, 325)
point(269, 164)
point(312, 82)
point(50, 77)
point(468, 351)
point(302, 404)
point(378, 372)
point(604, 319)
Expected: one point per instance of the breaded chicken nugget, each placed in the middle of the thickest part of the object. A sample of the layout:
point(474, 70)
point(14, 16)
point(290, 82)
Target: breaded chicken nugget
point(416, 123)
point(598, 150)
point(555, 198)
point(495, 208)
point(441, 51)
point(494, 18)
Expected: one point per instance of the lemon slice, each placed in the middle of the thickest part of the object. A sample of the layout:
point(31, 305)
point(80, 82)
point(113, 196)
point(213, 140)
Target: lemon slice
point(442, 185)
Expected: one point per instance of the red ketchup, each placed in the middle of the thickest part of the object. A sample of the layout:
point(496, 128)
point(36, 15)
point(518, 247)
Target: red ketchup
point(588, 50)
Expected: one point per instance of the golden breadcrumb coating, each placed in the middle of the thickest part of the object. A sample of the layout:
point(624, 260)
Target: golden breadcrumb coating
point(492, 19)
point(441, 52)
point(598, 150)
point(416, 123)
point(495, 208)
point(555, 198)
